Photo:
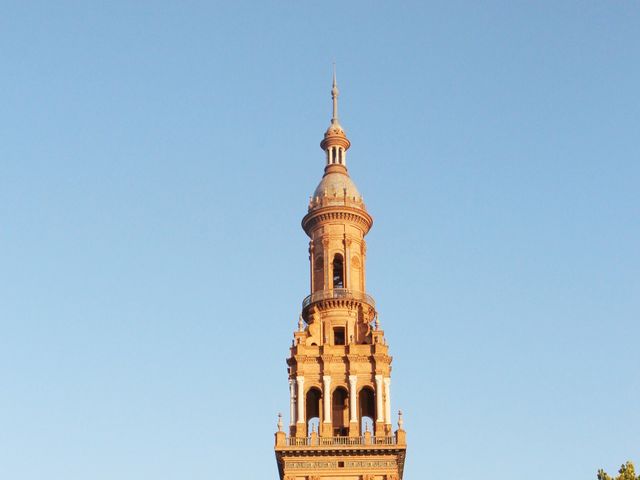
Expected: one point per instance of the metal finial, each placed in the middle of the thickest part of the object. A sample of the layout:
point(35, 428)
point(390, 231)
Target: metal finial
point(300, 324)
point(334, 96)
point(279, 422)
point(400, 420)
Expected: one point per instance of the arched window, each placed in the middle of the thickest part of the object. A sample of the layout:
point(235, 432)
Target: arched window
point(340, 412)
point(338, 271)
point(312, 408)
point(366, 408)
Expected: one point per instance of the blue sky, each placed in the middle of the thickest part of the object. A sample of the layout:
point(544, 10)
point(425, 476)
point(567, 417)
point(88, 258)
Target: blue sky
point(156, 159)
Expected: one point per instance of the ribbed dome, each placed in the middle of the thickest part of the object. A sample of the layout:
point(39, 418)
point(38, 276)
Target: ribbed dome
point(334, 184)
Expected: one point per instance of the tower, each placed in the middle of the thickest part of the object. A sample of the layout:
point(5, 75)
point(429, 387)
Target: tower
point(339, 365)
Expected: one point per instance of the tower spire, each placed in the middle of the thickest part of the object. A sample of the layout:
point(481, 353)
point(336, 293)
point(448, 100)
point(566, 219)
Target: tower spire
point(335, 141)
point(334, 96)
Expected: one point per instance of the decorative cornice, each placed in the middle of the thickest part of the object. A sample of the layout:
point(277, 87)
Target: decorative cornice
point(359, 358)
point(333, 213)
point(329, 358)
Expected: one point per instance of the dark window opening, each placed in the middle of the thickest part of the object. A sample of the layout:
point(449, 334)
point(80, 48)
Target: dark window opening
point(367, 408)
point(313, 408)
point(338, 271)
point(338, 336)
point(340, 412)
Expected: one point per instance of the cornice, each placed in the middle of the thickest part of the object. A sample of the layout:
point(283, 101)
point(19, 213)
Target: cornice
point(333, 213)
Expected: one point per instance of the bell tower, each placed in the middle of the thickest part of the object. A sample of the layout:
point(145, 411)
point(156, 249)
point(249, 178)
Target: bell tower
point(339, 366)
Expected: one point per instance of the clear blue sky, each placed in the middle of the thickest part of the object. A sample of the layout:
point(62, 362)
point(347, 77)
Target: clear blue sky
point(156, 159)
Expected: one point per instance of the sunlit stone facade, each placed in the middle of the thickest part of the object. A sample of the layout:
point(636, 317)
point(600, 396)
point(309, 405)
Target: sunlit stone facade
point(340, 424)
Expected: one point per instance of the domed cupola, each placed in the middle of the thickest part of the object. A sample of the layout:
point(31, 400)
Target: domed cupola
point(336, 187)
point(336, 194)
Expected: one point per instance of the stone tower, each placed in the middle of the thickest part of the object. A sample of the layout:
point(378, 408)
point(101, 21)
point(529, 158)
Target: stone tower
point(339, 366)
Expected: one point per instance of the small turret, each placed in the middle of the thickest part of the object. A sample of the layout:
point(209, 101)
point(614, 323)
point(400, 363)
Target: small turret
point(335, 142)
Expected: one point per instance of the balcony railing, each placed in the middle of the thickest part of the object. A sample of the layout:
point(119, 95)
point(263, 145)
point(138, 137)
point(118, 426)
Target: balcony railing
point(298, 441)
point(338, 293)
point(339, 441)
point(384, 440)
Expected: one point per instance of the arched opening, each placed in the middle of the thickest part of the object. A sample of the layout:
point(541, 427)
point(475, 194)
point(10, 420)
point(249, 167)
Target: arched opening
point(313, 405)
point(340, 412)
point(366, 408)
point(338, 271)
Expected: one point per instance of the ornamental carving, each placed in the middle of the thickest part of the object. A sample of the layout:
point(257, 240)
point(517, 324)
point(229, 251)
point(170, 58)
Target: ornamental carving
point(350, 215)
point(358, 358)
point(332, 359)
point(370, 464)
point(313, 328)
point(348, 464)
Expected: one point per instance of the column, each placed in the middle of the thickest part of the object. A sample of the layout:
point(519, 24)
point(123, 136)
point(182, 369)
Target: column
point(379, 410)
point(326, 379)
point(363, 270)
point(312, 263)
point(387, 399)
point(300, 399)
point(327, 268)
point(292, 402)
point(353, 395)
point(347, 265)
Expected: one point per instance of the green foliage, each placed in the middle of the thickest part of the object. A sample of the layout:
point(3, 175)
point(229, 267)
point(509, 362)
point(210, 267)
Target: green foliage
point(626, 472)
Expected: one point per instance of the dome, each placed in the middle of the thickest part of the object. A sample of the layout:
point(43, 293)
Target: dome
point(334, 129)
point(334, 184)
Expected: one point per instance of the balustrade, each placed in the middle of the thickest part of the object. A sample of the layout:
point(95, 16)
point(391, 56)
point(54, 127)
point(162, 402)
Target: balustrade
point(338, 441)
point(338, 293)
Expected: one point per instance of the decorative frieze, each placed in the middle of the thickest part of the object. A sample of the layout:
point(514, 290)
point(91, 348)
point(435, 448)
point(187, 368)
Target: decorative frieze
point(325, 465)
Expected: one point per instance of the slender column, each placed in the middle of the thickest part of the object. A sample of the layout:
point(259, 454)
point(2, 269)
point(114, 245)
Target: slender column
point(387, 399)
point(353, 394)
point(313, 263)
point(300, 399)
point(347, 266)
point(327, 267)
point(379, 410)
point(327, 398)
point(363, 257)
point(292, 402)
